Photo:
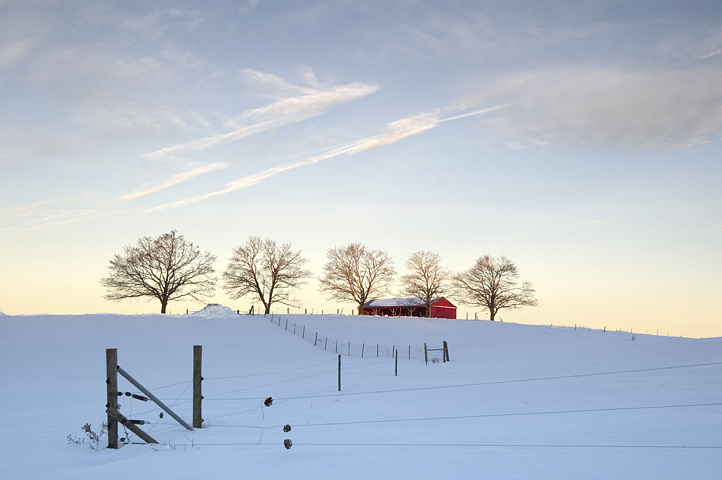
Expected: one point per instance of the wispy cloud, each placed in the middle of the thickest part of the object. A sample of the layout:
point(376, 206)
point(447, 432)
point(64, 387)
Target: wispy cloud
point(716, 229)
point(609, 107)
point(588, 223)
point(53, 213)
point(296, 103)
point(112, 93)
point(83, 207)
point(174, 180)
point(63, 217)
point(711, 54)
point(12, 52)
point(395, 132)
point(26, 210)
point(246, 6)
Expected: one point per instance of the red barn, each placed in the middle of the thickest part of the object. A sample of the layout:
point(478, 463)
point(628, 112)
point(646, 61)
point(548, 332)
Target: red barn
point(410, 307)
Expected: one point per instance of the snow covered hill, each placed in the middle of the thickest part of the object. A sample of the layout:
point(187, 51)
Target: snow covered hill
point(515, 401)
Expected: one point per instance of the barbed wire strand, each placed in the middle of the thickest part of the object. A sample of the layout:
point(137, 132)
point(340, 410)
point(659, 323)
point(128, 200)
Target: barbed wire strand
point(378, 392)
point(268, 373)
point(513, 414)
point(523, 380)
point(495, 415)
point(455, 445)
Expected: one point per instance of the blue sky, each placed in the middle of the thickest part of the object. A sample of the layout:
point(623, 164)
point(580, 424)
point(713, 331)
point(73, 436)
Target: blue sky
point(579, 139)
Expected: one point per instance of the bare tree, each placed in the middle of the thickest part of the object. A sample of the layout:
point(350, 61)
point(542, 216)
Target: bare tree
point(168, 268)
point(354, 273)
point(492, 284)
point(267, 271)
point(426, 279)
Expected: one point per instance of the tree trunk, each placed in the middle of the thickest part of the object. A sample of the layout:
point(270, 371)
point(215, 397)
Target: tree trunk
point(491, 314)
point(162, 306)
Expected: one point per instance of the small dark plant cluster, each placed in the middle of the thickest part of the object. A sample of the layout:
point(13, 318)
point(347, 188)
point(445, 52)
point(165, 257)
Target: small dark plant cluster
point(92, 436)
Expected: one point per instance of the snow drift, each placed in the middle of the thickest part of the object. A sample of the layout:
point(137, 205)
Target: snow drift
point(515, 401)
point(214, 310)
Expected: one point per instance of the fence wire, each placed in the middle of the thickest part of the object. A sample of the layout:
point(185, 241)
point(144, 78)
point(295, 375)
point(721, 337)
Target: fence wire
point(350, 349)
point(228, 409)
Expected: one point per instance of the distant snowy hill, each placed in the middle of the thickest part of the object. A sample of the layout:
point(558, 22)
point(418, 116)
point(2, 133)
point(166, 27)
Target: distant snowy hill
point(214, 310)
point(514, 401)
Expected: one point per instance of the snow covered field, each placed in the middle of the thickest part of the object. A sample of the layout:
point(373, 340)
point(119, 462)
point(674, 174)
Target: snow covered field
point(515, 401)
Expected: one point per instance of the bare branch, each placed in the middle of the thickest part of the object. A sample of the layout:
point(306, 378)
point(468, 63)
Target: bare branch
point(354, 273)
point(269, 272)
point(426, 279)
point(492, 284)
point(167, 268)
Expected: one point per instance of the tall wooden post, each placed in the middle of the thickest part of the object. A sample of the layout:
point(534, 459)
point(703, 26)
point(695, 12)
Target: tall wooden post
point(111, 372)
point(446, 351)
point(197, 379)
point(339, 372)
point(396, 364)
point(426, 354)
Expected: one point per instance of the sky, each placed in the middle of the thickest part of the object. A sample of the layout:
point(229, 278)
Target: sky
point(579, 139)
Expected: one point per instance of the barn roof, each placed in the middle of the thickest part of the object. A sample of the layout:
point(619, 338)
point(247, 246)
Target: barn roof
point(399, 302)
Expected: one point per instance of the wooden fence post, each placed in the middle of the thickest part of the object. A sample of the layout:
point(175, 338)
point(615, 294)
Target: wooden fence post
point(446, 352)
point(396, 364)
point(426, 354)
point(339, 372)
point(197, 378)
point(111, 372)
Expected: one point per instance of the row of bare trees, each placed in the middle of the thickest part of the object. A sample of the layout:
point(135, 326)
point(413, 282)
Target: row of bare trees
point(170, 268)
